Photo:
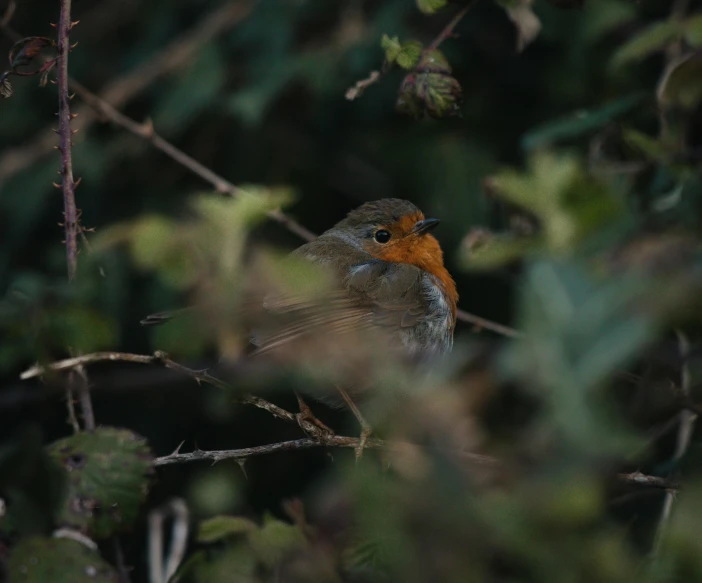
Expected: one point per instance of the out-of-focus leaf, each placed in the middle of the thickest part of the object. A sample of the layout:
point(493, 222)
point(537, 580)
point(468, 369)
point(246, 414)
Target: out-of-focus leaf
point(275, 539)
point(58, 560)
point(81, 328)
point(650, 40)
point(430, 6)
point(192, 91)
point(221, 527)
point(647, 145)
point(526, 22)
point(681, 84)
point(32, 482)
point(108, 475)
point(693, 31)
point(580, 331)
point(579, 123)
point(558, 192)
point(500, 251)
point(391, 46)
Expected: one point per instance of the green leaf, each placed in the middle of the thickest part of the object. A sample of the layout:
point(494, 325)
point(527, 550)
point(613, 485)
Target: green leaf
point(556, 189)
point(650, 147)
point(579, 122)
point(431, 6)
point(57, 560)
point(108, 473)
point(275, 539)
point(424, 93)
point(221, 527)
point(409, 54)
point(692, 31)
point(391, 46)
point(650, 40)
point(500, 251)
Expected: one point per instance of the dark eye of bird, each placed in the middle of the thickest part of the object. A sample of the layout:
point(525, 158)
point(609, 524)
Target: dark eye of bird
point(382, 236)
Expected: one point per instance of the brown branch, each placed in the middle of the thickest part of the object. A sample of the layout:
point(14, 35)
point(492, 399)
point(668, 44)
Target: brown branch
point(170, 58)
point(8, 14)
point(447, 31)
point(634, 479)
point(68, 185)
point(246, 452)
point(146, 132)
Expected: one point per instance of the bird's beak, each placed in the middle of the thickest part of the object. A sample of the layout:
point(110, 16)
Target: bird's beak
point(424, 226)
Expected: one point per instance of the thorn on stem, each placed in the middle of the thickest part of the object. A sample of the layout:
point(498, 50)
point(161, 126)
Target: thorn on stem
point(74, 23)
point(74, 115)
point(52, 24)
point(77, 182)
point(71, 96)
point(56, 186)
point(74, 45)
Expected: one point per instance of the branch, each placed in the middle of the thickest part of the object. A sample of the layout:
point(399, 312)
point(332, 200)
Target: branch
point(238, 454)
point(68, 185)
point(634, 479)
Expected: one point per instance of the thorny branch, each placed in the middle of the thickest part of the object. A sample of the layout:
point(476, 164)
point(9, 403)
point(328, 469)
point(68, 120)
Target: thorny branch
point(159, 357)
point(68, 185)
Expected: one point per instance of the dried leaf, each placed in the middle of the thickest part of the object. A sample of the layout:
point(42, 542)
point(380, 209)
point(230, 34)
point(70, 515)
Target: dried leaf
point(24, 51)
point(5, 86)
point(527, 23)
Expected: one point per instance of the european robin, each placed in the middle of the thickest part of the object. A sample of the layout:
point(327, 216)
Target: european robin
point(390, 277)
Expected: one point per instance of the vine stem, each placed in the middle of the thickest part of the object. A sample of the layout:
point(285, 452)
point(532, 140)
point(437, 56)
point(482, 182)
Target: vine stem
point(68, 185)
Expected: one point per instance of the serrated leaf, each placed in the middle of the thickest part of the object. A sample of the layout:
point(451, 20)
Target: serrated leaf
point(650, 40)
point(5, 87)
point(436, 95)
point(108, 476)
point(391, 46)
point(221, 527)
point(57, 560)
point(409, 54)
point(431, 6)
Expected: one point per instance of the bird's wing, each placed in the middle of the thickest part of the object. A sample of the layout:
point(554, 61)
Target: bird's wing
point(371, 294)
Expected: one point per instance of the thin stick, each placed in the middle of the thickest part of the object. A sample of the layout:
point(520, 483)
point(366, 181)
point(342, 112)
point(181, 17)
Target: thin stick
point(68, 186)
point(122, 570)
point(86, 403)
point(71, 407)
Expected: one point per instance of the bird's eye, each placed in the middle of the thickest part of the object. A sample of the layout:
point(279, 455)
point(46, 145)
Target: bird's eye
point(382, 236)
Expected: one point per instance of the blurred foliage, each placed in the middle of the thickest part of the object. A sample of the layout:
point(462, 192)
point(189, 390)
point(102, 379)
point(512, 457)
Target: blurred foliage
point(560, 143)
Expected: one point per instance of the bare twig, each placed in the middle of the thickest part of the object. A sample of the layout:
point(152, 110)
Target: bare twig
point(71, 407)
point(179, 539)
point(447, 31)
point(247, 452)
point(479, 322)
point(86, 403)
point(146, 131)
point(71, 363)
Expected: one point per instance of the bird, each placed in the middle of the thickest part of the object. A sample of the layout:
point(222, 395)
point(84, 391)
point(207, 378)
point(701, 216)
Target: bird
point(389, 280)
